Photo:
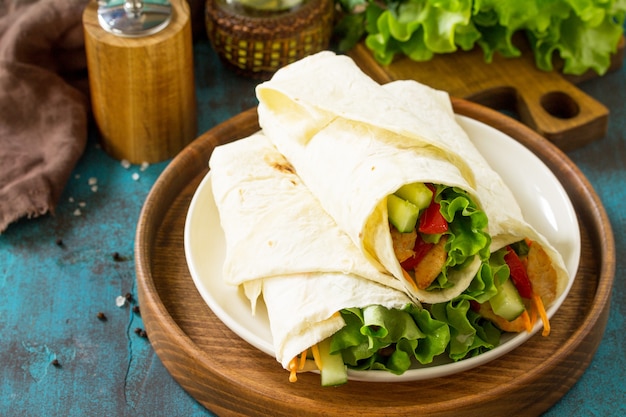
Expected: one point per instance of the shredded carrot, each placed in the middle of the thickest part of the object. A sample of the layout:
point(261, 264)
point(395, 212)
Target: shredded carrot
point(316, 356)
point(542, 313)
point(302, 360)
point(292, 370)
point(527, 321)
point(408, 278)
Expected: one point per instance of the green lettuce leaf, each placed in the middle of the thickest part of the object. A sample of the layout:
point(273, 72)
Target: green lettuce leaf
point(489, 277)
point(421, 28)
point(470, 334)
point(581, 44)
point(389, 339)
point(582, 33)
point(384, 45)
point(467, 235)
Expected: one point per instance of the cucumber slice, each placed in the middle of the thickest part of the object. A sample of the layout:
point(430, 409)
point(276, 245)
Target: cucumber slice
point(507, 303)
point(334, 371)
point(402, 214)
point(416, 193)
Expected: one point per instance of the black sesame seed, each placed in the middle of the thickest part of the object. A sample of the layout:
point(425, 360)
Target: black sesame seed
point(55, 362)
point(136, 309)
point(102, 316)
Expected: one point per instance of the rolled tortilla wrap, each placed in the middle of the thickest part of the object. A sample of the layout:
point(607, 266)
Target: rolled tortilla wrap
point(506, 221)
point(303, 308)
point(281, 243)
point(352, 166)
point(328, 95)
point(251, 183)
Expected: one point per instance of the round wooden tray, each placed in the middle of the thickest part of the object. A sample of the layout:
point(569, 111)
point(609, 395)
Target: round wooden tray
point(230, 377)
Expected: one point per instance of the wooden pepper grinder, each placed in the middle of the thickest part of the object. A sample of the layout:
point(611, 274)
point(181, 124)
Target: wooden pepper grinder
point(141, 78)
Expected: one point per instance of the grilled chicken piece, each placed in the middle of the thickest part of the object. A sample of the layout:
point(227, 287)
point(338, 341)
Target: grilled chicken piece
point(541, 274)
point(430, 266)
point(403, 244)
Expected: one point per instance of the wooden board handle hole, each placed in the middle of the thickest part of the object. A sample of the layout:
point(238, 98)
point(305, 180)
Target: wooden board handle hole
point(560, 105)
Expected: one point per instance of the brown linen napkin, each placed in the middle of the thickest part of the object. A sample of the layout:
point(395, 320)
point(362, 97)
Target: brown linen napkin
point(43, 103)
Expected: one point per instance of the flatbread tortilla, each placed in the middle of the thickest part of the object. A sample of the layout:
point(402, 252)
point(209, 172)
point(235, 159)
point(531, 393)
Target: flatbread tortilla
point(354, 142)
point(282, 245)
point(352, 166)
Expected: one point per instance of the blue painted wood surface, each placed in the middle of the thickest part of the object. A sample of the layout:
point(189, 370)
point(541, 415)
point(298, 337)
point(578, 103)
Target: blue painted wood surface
point(51, 294)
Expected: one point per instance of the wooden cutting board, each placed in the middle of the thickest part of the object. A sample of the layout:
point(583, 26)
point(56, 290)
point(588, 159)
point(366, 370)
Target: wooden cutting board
point(548, 102)
point(232, 378)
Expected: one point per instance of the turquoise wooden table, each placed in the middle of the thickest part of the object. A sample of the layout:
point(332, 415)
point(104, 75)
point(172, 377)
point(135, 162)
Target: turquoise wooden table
point(67, 346)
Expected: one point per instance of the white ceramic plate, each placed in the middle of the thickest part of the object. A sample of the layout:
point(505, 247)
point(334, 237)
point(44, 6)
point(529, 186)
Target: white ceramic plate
point(543, 200)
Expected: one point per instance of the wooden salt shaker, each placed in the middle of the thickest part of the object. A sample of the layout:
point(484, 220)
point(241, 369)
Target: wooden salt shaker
point(141, 78)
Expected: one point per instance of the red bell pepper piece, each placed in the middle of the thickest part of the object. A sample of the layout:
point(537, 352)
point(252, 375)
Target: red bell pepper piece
point(518, 274)
point(420, 248)
point(432, 221)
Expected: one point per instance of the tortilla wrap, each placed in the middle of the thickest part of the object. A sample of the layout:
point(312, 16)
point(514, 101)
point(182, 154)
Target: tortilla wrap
point(353, 142)
point(506, 221)
point(280, 243)
point(352, 167)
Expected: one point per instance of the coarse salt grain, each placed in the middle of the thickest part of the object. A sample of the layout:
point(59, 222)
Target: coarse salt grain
point(144, 166)
point(82, 204)
point(77, 212)
point(120, 301)
point(94, 188)
point(135, 176)
point(71, 199)
point(125, 163)
point(92, 181)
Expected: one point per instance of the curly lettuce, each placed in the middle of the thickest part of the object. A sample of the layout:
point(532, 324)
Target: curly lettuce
point(470, 334)
point(377, 338)
point(389, 339)
point(582, 33)
point(467, 235)
point(488, 278)
point(393, 340)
